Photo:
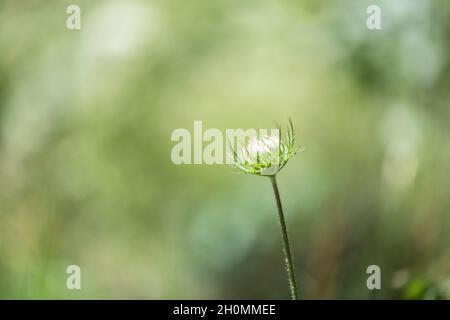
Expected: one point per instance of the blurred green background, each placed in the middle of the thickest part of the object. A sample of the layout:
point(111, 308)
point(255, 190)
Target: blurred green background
point(86, 176)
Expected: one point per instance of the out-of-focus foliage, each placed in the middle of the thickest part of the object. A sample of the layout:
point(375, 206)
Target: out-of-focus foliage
point(86, 118)
point(408, 287)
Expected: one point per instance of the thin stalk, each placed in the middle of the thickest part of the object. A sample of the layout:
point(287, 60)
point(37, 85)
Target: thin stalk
point(286, 248)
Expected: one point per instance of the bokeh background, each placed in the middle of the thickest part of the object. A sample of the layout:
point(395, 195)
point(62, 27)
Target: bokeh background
point(86, 177)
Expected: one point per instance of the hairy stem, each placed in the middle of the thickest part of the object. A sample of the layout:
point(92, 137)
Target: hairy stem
point(284, 235)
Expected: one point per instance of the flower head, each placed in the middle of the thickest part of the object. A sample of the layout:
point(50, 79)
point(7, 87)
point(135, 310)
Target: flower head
point(266, 155)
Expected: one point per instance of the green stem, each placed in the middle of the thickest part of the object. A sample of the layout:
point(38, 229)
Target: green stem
point(286, 249)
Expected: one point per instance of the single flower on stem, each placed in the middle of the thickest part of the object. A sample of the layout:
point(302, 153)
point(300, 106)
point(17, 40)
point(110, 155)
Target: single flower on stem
point(266, 156)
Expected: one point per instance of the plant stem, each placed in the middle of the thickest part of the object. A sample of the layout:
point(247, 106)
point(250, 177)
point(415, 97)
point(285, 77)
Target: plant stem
point(284, 235)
